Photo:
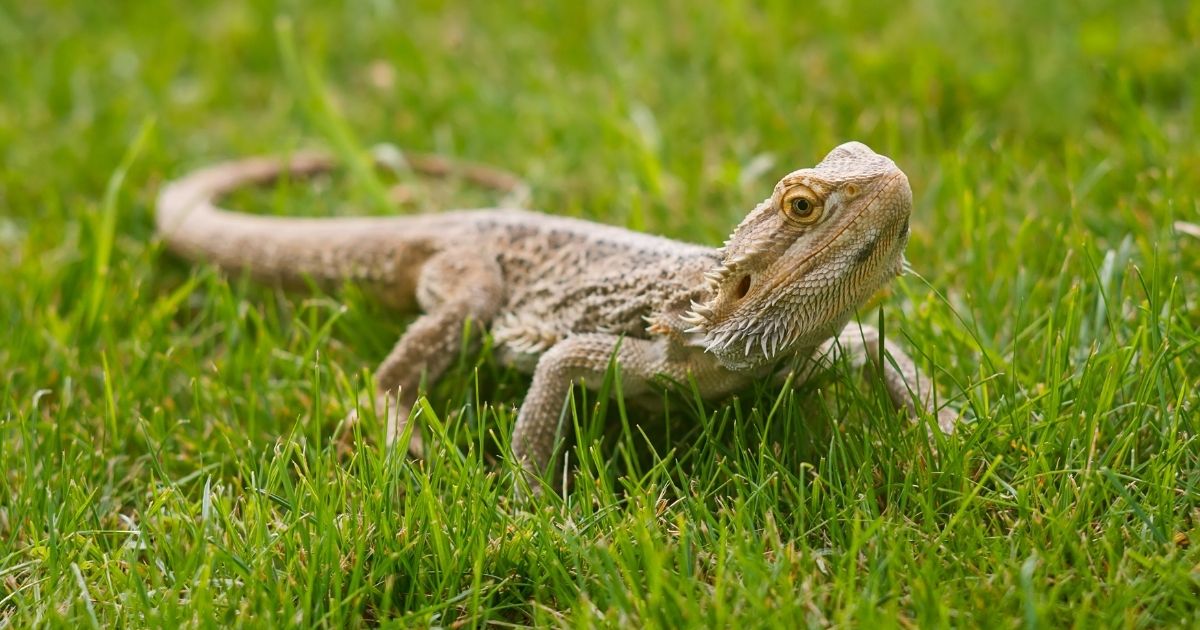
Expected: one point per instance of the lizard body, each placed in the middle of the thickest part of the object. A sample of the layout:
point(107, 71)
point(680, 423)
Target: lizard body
point(562, 297)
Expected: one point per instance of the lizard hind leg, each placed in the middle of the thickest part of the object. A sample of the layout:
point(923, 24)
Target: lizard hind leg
point(454, 287)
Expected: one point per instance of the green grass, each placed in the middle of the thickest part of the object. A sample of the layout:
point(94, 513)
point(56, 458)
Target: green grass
point(165, 432)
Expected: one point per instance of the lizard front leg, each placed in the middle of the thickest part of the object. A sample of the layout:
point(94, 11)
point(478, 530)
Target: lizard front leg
point(907, 388)
point(454, 287)
point(585, 358)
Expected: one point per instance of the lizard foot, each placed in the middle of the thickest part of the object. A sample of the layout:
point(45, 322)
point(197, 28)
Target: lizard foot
point(396, 421)
point(398, 417)
point(527, 478)
point(947, 420)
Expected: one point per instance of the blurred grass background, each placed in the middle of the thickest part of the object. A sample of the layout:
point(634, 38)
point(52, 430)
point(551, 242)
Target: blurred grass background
point(164, 431)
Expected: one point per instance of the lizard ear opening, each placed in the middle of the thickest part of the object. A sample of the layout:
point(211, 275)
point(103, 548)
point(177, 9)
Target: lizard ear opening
point(743, 287)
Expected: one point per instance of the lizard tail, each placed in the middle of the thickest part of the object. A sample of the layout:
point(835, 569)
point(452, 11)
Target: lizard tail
point(383, 253)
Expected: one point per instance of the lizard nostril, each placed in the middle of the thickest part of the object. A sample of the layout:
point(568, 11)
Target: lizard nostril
point(743, 287)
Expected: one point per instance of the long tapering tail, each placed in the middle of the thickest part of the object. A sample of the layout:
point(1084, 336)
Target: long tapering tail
point(381, 252)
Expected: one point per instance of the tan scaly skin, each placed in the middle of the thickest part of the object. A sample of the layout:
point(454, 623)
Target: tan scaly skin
point(561, 297)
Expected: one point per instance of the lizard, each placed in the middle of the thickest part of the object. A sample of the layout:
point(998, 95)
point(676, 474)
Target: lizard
point(563, 297)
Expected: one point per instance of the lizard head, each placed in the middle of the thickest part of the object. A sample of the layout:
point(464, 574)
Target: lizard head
point(796, 268)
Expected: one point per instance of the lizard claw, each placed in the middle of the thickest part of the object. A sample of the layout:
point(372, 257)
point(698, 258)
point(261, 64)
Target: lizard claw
point(397, 417)
point(947, 420)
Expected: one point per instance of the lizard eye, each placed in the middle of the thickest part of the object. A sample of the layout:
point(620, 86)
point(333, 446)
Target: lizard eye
point(801, 206)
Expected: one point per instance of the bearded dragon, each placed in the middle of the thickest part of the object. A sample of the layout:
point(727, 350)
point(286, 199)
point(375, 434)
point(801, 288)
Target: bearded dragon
point(563, 297)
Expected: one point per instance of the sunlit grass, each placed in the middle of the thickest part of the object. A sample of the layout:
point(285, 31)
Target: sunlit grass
point(167, 433)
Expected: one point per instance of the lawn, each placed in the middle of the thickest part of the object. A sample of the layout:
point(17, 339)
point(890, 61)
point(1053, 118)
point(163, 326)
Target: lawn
point(167, 452)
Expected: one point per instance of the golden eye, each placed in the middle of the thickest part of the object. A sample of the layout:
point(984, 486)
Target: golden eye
point(801, 206)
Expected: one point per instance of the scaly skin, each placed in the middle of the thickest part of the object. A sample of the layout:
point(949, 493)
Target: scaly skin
point(561, 296)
